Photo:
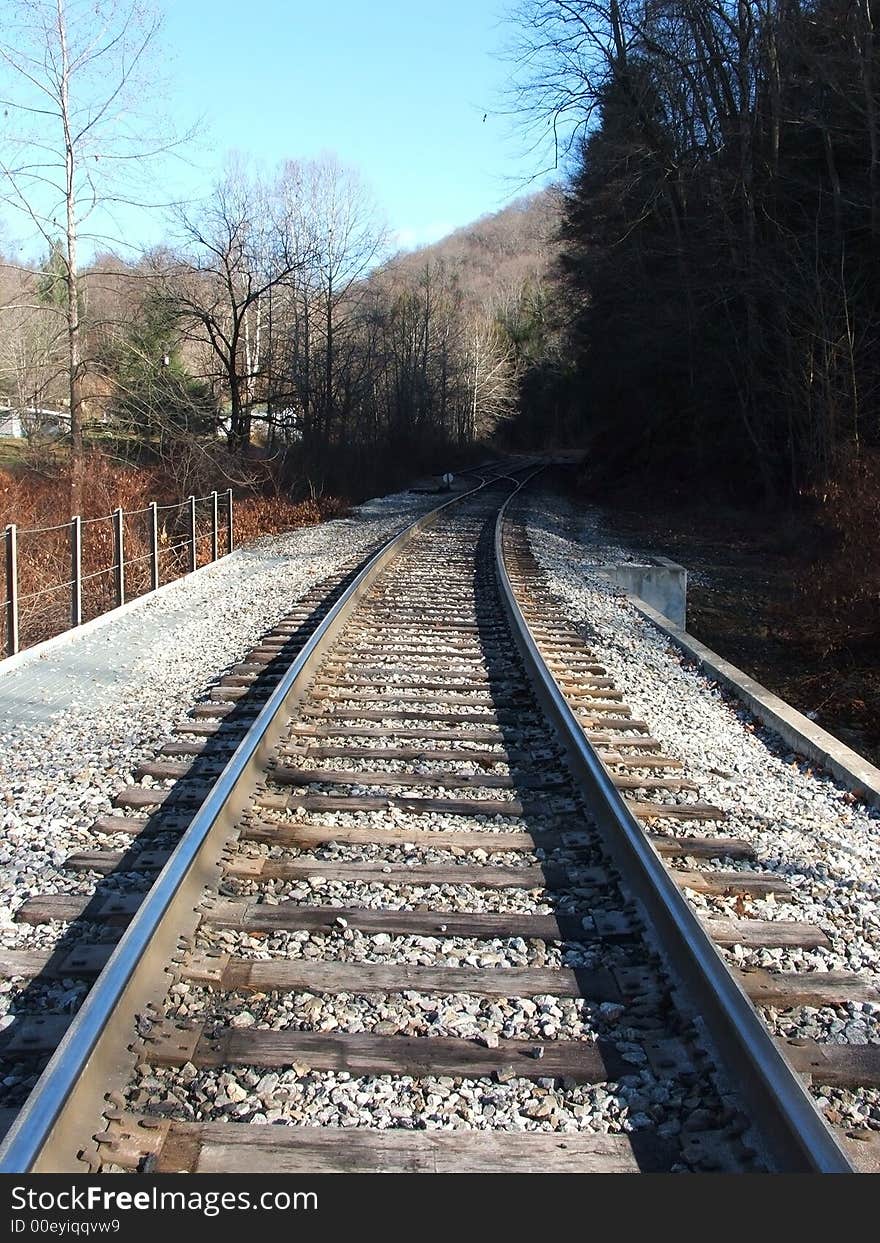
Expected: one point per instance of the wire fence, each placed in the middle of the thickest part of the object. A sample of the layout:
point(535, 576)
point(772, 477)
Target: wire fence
point(55, 578)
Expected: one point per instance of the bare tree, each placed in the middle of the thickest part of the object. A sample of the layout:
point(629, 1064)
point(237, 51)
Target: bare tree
point(73, 80)
point(238, 249)
point(32, 355)
point(490, 378)
point(344, 236)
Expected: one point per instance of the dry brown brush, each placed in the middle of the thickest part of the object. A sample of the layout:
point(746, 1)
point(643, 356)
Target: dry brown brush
point(37, 501)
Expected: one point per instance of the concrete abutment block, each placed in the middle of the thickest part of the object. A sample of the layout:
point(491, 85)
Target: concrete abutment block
point(657, 580)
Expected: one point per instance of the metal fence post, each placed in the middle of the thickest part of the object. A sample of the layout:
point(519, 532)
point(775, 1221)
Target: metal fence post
point(215, 524)
point(154, 546)
point(193, 548)
point(119, 531)
point(230, 539)
point(76, 600)
point(11, 589)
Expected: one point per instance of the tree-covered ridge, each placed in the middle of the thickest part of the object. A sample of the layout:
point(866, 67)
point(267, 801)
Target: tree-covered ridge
point(275, 322)
point(721, 228)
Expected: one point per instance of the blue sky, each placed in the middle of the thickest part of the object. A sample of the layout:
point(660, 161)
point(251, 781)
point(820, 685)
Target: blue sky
point(398, 89)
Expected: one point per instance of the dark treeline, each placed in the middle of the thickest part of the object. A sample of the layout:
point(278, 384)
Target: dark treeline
point(275, 333)
point(720, 240)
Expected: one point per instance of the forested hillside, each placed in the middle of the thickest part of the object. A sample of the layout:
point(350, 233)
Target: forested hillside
point(276, 329)
point(499, 275)
point(722, 223)
point(698, 302)
point(717, 310)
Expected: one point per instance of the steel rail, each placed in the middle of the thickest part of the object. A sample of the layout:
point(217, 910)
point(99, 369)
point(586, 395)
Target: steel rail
point(93, 1057)
point(796, 1136)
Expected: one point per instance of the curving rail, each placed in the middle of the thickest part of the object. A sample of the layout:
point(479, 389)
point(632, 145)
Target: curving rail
point(71, 1092)
point(798, 1136)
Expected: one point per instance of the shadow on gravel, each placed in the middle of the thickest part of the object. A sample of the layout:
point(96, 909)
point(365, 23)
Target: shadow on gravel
point(552, 803)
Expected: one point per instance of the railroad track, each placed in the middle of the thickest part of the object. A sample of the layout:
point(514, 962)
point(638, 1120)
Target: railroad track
point(430, 912)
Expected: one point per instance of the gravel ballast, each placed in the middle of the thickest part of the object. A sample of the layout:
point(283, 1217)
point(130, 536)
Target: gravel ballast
point(646, 1089)
point(804, 825)
point(76, 721)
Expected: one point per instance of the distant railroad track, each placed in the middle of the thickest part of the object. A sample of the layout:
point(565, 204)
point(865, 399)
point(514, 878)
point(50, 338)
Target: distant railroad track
point(414, 865)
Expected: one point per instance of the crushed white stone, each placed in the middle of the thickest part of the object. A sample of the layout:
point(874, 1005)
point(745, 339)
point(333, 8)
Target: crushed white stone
point(125, 686)
point(804, 825)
